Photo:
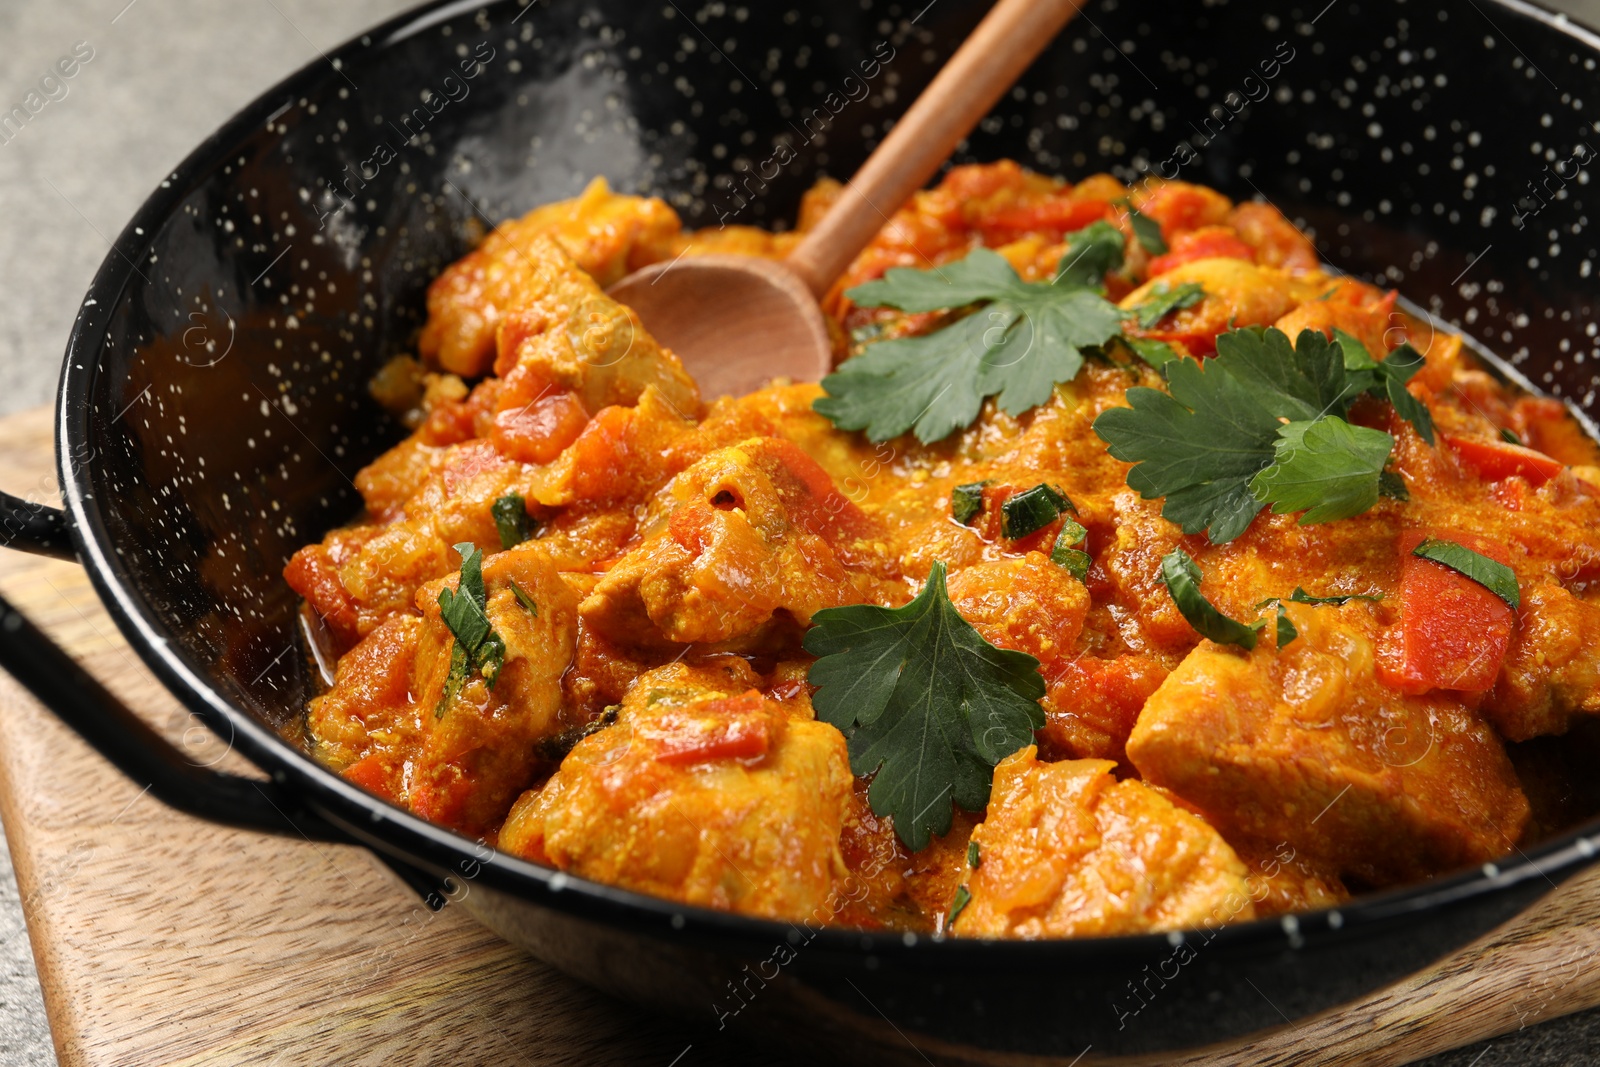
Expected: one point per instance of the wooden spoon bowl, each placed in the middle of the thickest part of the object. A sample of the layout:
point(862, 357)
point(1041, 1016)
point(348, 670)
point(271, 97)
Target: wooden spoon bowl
point(736, 321)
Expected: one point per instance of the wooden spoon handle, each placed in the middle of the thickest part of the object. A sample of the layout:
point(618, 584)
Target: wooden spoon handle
point(1008, 39)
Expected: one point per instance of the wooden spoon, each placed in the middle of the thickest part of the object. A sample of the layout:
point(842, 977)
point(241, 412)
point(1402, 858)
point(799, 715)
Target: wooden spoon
point(739, 321)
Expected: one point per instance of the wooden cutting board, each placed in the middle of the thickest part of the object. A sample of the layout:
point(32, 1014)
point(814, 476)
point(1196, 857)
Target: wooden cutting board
point(161, 939)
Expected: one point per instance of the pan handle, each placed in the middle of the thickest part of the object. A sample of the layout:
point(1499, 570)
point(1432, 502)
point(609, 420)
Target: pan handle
point(119, 735)
point(32, 527)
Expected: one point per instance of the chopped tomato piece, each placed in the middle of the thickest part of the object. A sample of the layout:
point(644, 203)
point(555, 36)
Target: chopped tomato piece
point(375, 774)
point(691, 526)
point(1495, 460)
point(722, 728)
point(1179, 206)
point(1053, 218)
point(1208, 242)
point(538, 432)
point(312, 573)
point(1093, 703)
point(1453, 632)
point(604, 467)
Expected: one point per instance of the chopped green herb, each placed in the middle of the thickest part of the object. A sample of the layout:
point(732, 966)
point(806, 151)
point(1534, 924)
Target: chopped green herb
point(958, 904)
point(1509, 436)
point(1147, 231)
point(1033, 509)
point(1262, 423)
point(1029, 337)
point(1286, 630)
point(974, 857)
point(1066, 554)
point(929, 706)
point(1156, 353)
point(1165, 299)
point(511, 519)
point(966, 502)
point(524, 599)
point(1491, 574)
point(1300, 596)
point(1182, 577)
point(464, 613)
point(1391, 485)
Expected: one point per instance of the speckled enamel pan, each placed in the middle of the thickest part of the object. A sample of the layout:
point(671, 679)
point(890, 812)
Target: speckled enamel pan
point(213, 409)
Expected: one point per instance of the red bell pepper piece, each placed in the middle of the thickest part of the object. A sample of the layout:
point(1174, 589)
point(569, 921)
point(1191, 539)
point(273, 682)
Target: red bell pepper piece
point(1052, 218)
point(1453, 632)
point(1495, 460)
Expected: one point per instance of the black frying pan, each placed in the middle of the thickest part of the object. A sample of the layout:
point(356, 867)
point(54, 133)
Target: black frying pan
point(212, 408)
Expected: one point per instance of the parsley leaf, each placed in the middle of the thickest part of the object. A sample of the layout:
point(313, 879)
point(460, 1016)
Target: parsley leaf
point(1261, 423)
point(1182, 577)
point(1489, 573)
point(464, 613)
point(1164, 300)
point(1029, 337)
point(1325, 468)
point(510, 514)
point(1147, 231)
point(928, 705)
point(1388, 378)
point(1092, 253)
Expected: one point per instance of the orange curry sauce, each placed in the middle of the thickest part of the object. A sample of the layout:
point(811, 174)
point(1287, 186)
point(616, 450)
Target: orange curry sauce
point(652, 725)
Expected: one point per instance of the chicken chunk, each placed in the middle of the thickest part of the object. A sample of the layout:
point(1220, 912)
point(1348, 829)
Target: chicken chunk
point(1066, 850)
point(1284, 881)
point(568, 334)
point(1027, 604)
point(1236, 293)
point(360, 577)
point(704, 791)
point(750, 531)
point(1276, 241)
point(478, 746)
point(1303, 745)
point(1552, 669)
point(606, 234)
point(367, 714)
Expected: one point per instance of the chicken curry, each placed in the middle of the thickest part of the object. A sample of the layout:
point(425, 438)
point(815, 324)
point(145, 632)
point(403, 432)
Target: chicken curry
point(1131, 572)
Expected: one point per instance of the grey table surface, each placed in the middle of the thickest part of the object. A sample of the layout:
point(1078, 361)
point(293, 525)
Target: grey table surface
point(164, 74)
